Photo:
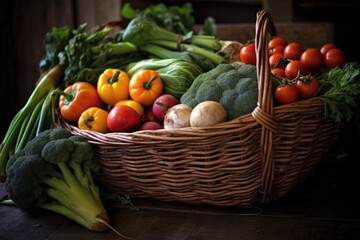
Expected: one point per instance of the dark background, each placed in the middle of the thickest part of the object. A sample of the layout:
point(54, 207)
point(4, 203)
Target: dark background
point(23, 25)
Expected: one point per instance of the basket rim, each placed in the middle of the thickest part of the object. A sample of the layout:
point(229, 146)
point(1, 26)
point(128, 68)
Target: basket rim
point(295, 106)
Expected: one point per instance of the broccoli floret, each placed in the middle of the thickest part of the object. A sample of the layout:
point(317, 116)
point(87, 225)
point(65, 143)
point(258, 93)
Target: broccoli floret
point(209, 92)
point(12, 159)
point(37, 144)
point(58, 151)
point(58, 178)
point(232, 85)
point(29, 194)
point(59, 133)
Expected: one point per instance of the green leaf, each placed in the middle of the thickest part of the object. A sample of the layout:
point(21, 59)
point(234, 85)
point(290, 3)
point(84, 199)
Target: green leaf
point(127, 11)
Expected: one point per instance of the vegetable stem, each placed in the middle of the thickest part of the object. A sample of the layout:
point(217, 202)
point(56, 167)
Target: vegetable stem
point(147, 85)
point(29, 125)
point(114, 78)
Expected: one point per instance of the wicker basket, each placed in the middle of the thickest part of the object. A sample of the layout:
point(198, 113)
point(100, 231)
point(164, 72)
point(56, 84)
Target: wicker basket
point(254, 159)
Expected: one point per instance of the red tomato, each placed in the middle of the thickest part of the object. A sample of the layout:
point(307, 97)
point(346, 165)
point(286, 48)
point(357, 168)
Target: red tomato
point(277, 41)
point(123, 118)
point(248, 54)
point(308, 87)
point(293, 51)
point(278, 72)
point(326, 47)
point(286, 94)
point(334, 57)
point(277, 60)
point(293, 67)
point(312, 59)
point(277, 49)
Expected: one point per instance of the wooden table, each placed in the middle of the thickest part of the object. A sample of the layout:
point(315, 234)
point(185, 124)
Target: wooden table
point(324, 207)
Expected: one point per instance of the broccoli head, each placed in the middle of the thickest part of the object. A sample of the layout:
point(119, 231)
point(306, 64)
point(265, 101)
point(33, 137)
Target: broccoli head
point(54, 172)
point(232, 85)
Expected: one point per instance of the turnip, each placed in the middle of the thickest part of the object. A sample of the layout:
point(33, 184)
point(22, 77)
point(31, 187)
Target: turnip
point(162, 104)
point(149, 116)
point(177, 116)
point(207, 113)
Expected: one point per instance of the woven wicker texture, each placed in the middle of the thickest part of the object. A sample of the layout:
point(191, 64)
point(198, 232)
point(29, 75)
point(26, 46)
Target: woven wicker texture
point(254, 159)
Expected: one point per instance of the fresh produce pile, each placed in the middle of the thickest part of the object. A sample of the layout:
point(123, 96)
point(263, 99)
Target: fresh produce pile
point(147, 77)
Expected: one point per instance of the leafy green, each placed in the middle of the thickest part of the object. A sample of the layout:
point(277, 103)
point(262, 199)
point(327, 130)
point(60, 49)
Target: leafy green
point(86, 54)
point(55, 41)
point(340, 90)
point(175, 18)
point(209, 27)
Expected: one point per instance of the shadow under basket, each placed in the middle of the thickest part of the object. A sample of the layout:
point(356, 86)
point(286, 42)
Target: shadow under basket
point(254, 159)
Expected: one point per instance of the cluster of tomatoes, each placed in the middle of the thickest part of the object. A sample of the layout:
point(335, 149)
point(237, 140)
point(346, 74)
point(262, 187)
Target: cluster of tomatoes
point(295, 66)
point(117, 104)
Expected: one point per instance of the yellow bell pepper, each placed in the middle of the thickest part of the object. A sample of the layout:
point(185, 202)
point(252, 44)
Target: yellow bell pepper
point(93, 119)
point(113, 86)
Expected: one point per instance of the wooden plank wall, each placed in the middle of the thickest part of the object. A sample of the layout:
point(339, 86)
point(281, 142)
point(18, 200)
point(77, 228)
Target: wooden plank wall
point(23, 27)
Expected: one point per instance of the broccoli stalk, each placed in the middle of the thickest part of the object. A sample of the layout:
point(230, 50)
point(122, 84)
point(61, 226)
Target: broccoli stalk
point(54, 172)
point(76, 202)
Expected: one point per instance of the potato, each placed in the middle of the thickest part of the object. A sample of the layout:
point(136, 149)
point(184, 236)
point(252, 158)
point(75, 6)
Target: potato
point(207, 113)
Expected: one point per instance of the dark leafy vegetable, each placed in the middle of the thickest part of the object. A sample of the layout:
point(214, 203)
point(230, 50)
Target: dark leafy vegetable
point(55, 41)
point(340, 90)
point(177, 19)
point(209, 27)
point(86, 54)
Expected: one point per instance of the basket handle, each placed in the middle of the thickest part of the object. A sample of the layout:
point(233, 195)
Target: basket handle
point(263, 113)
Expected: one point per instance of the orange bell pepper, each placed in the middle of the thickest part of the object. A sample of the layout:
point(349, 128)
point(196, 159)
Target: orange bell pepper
point(94, 119)
point(145, 86)
point(77, 98)
point(113, 86)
